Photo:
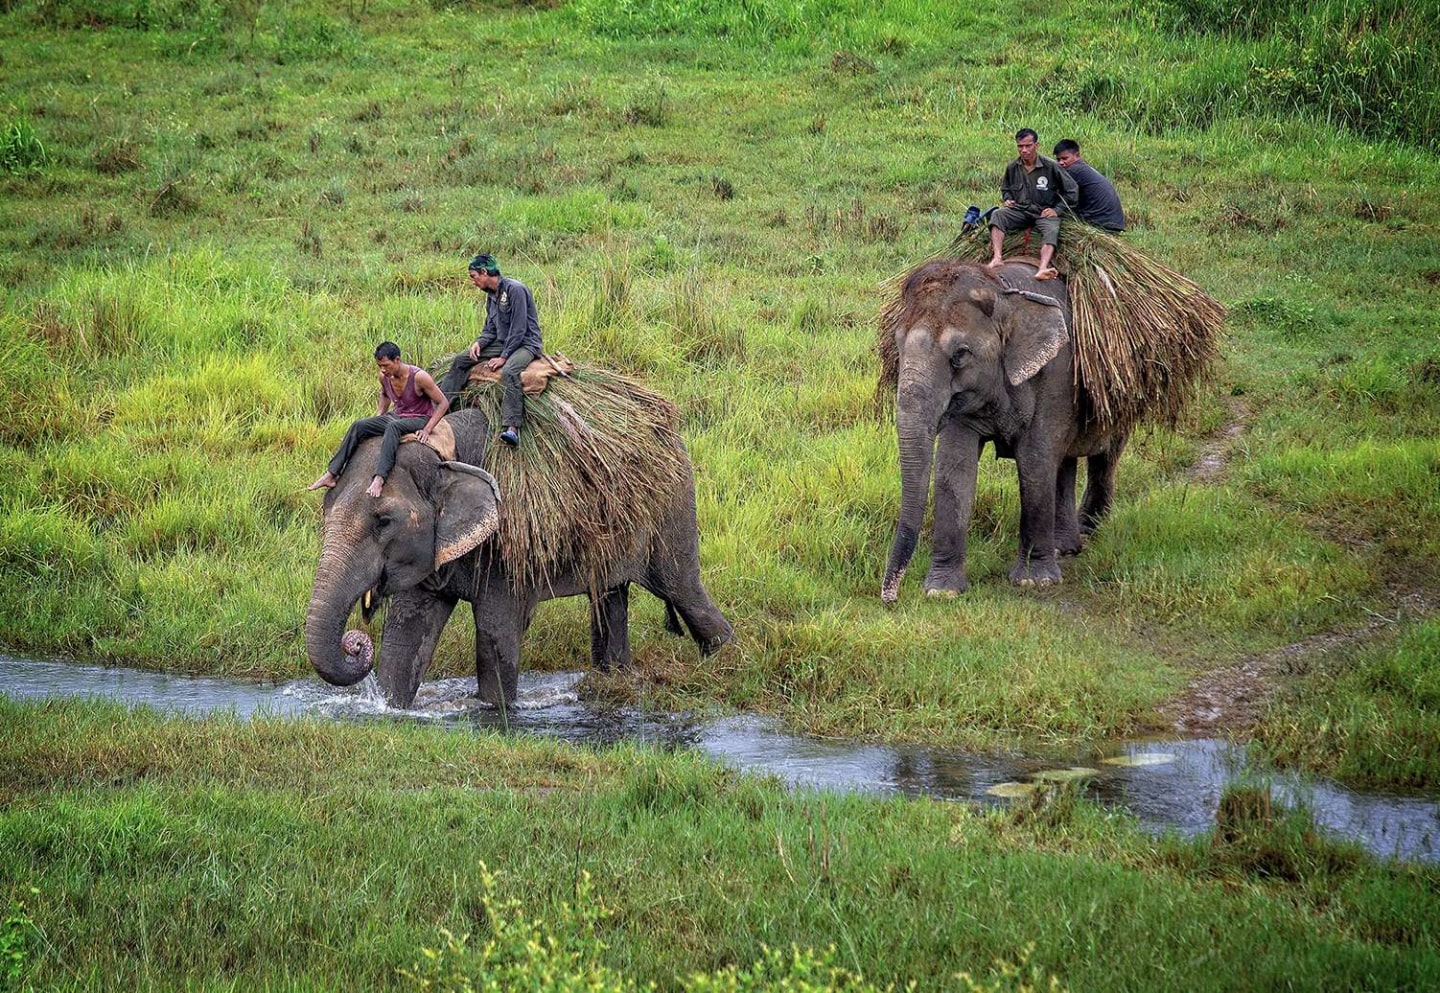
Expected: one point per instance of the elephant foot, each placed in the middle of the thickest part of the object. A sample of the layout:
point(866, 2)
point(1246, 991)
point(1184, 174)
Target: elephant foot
point(1036, 572)
point(714, 643)
point(1069, 548)
point(946, 584)
point(890, 589)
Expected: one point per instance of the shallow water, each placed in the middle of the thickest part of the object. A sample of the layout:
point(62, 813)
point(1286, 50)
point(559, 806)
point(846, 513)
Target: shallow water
point(1177, 787)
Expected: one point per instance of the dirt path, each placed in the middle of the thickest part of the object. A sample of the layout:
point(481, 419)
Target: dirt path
point(1231, 700)
point(1214, 460)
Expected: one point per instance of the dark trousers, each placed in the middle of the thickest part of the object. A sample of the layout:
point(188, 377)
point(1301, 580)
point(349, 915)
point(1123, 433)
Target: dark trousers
point(512, 403)
point(390, 426)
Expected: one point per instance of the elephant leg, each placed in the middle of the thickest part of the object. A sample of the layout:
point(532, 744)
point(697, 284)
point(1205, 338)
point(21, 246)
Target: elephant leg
point(414, 620)
point(610, 628)
point(1067, 526)
point(957, 462)
point(672, 620)
point(1099, 486)
point(500, 621)
point(1036, 564)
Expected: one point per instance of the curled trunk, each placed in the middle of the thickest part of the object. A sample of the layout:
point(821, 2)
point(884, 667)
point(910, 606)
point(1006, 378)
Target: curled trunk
point(337, 589)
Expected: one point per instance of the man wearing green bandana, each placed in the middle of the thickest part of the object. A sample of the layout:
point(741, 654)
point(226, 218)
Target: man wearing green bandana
point(510, 341)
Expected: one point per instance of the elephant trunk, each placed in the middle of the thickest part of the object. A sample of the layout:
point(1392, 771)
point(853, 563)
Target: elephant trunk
point(338, 586)
point(917, 424)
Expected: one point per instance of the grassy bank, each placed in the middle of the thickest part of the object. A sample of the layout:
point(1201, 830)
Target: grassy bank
point(209, 855)
point(232, 203)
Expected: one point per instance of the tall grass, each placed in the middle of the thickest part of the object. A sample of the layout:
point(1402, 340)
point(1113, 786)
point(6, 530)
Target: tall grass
point(1364, 64)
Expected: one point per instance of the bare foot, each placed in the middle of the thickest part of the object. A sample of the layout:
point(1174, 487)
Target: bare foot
point(323, 483)
point(1048, 272)
point(375, 485)
point(994, 263)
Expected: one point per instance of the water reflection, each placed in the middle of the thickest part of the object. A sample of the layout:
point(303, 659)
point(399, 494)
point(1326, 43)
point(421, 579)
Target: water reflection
point(1177, 784)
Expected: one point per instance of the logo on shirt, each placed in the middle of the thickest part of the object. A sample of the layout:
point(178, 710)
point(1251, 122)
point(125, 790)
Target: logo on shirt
point(1042, 182)
point(504, 298)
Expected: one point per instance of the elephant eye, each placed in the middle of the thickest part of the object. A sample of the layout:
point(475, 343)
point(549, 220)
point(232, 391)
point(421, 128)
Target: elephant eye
point(383, 520)
point(961, 355)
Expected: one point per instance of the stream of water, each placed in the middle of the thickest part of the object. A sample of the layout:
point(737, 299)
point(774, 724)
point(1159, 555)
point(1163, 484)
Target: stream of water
point(1166, 784)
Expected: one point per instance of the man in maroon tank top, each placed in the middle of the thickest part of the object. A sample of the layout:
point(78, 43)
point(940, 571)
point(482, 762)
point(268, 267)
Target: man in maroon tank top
point(418, 406)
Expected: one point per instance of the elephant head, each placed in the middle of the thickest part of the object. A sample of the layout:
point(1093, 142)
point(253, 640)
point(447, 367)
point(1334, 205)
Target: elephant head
point(429, 513)
point(969, 344)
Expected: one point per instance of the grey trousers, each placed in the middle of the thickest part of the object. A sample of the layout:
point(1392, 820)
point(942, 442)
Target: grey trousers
point(1013, 219)
point(512, 402)
point(392, 427)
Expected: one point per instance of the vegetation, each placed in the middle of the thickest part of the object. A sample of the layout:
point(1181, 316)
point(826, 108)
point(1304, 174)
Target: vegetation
point(704, 199)
point(175, 854)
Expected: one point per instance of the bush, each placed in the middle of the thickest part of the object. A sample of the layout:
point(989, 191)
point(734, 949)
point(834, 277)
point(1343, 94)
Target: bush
point(1365, 64)
point(21, 150)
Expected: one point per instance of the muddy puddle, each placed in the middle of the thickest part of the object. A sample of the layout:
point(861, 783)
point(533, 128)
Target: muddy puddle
point(1167, 784)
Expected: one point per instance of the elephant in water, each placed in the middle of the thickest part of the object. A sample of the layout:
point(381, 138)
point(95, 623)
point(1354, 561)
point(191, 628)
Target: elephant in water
point(426, 543)
point(985, 355)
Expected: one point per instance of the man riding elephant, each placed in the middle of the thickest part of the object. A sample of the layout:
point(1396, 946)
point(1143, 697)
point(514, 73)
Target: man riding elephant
point(509, 341)
point(1033, 194)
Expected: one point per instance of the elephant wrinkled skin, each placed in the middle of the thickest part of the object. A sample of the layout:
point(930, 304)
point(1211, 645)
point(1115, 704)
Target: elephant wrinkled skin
point(985, 355)
point(423, 545)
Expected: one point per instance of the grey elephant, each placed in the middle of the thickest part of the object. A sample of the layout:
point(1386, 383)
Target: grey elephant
point(985, 355)
point(427, 543)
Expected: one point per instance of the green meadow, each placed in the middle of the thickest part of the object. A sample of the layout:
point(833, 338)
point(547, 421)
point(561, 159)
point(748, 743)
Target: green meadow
point(212, 210)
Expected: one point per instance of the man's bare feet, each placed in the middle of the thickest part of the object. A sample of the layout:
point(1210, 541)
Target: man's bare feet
point(1048, 272)
point(375, 485)
point(994, 263)
point(323, 483)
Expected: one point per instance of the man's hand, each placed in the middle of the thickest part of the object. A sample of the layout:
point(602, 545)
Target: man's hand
point(475, 351)
point(423, 435)
point(495, 364)
point(1007, 203)
point(1049, 212)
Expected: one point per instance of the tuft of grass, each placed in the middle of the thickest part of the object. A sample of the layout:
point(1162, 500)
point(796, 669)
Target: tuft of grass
point(21, 150)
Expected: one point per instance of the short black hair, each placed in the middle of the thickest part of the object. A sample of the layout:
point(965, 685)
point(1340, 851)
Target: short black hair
point(485, 262)
point(1027, 132)
point(1067, 145)
point(387, 350)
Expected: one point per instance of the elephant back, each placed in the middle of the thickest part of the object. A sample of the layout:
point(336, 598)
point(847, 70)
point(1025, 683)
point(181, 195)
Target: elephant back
point(598, 468)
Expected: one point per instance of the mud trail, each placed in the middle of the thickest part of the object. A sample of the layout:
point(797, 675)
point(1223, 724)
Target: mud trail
point(1232, 699)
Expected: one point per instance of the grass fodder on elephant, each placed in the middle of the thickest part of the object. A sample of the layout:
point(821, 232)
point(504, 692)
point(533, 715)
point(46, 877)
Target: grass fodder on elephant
point(1144, 335)
point(599, 460)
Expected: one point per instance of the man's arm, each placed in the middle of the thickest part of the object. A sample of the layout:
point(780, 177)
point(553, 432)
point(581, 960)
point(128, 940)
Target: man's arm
point(425, 383)
point(384, 400)
point(1069, 189)
point(487, 332)
point(1009, 191)
point(520, 304)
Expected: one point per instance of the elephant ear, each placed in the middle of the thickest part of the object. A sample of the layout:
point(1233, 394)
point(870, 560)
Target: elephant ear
point(1037, 333)
point(467, 505)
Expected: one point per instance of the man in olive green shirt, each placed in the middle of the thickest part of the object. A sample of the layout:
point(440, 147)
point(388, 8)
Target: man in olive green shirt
point(1033, 194)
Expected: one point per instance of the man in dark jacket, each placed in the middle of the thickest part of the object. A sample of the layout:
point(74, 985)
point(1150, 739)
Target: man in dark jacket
point(509, 342)
point(1033, 194)
point(1099, 203)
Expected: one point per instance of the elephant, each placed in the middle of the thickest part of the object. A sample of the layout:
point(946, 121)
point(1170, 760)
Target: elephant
point(985, 355)
point(427, 543)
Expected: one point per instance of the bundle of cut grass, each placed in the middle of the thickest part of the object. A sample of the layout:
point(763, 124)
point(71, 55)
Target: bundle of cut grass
point(1144, 335)
point(599, 460)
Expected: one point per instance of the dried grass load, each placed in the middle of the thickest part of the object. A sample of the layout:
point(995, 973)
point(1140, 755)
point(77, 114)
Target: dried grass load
point(1144, 335)
point(599, 460)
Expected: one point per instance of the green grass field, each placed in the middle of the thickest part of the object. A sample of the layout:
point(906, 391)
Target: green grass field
point(213, 210)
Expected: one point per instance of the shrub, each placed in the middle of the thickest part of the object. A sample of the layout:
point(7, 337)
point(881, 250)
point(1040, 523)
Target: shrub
point(21, 150)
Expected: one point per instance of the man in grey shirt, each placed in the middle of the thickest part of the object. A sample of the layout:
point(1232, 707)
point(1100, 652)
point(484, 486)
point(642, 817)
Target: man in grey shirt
point(509, 342)
point(1099, 203)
